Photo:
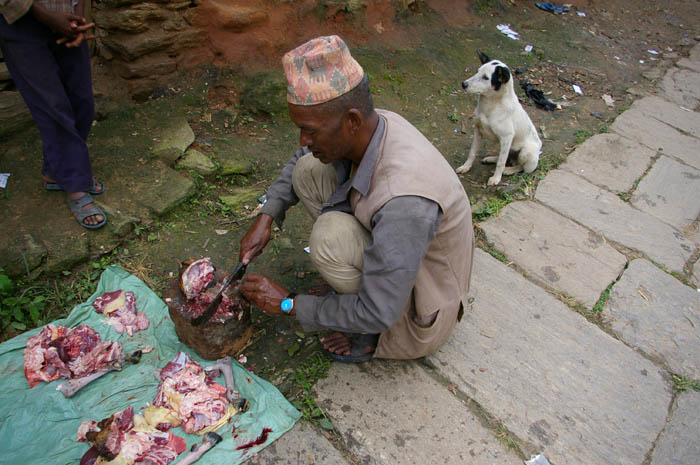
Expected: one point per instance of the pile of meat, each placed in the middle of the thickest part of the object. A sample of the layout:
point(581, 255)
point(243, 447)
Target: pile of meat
point(119, 308)
point(199, 285)
point(126, 439)
point(191, 396)
point(61, 352)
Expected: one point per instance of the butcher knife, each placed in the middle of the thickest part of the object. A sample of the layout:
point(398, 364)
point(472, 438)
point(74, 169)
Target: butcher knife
point(211, 309)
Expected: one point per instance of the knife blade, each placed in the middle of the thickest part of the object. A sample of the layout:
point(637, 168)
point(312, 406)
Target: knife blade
point(211, 309)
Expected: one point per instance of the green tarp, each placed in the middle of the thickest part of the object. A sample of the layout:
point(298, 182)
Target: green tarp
point(39, 425)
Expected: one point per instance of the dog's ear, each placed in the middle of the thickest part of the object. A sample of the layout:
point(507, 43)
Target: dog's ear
point(483, 57)
point(500, 76)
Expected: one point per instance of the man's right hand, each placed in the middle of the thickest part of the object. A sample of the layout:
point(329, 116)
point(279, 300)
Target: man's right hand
point(255, 240)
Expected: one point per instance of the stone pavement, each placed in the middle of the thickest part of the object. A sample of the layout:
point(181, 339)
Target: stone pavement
point(611, 235)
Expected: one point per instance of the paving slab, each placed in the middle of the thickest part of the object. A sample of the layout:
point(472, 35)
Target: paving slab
point(554, 250)
point(670, 192)
point(393, 412)
point(606, 214)
point(689, 64)
point(302, 445)
point(678, 444)
point(657, 314)
point(161, 188)
point(670, 113)
point(610, 161)
point(636, 125)
point(696, 275)
point(682, 86)
point(558, 382)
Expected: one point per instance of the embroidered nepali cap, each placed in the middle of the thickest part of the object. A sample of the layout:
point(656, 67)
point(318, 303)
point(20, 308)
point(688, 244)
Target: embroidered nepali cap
point(320, 70)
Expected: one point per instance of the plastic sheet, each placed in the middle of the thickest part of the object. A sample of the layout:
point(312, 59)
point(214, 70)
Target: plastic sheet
point(39, 425)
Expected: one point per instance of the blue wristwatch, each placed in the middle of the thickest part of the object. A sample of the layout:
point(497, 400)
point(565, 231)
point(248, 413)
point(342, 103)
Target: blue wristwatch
point(288, 303)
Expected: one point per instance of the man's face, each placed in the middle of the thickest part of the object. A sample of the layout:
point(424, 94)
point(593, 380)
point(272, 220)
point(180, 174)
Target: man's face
point(322, 133)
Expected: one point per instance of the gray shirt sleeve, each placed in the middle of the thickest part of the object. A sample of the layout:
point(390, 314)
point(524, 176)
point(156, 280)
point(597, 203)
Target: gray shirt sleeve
point(281, 195)
point(401, 233)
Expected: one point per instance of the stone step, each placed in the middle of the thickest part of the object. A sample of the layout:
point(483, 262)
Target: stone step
point(657, 314)
point(554, 250)
point(636, 125)
point(606, 214)
point(670, 192)
point(610, 161)
point(670, 113)
point(393, 412)
point(301, 445)
point(678, 444)
point(558, 382)
point(682, 86)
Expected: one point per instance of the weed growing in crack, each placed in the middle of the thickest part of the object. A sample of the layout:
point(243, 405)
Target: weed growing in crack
point(305, 377)
point(683, 383)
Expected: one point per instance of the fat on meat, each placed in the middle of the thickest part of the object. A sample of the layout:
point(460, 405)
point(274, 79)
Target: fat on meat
point(60, 352)
point(202, 401)
point(126, 445)
point(119, 308)
point(196, 277)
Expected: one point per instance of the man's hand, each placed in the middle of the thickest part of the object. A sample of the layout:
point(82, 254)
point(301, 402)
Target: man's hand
point(255, 240)
point(264, 293)
point(79, 38)
point(66, 24)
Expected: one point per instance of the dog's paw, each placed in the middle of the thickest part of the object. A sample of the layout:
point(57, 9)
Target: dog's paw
point(464, 168)
point(494, 180)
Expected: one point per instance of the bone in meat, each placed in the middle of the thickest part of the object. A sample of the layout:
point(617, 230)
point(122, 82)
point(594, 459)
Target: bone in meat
point(208, 441)
point(69, 388)
point(224, 364)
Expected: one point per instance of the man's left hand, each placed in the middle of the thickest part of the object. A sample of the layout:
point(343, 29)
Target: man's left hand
point(81, 35)
point(264, 293)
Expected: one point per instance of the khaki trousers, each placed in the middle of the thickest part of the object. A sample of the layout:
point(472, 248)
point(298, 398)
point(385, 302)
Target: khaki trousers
point(337, 240)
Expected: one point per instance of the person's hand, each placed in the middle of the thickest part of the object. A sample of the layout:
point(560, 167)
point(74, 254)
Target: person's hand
point(264, 293)
point(255, 240)
point(79, 38)
point(67, 25)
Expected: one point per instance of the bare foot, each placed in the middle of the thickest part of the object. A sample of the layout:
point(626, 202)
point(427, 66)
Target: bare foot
point(339, 343)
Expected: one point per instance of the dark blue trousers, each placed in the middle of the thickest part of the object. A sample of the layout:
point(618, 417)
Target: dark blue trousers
point(56, 85)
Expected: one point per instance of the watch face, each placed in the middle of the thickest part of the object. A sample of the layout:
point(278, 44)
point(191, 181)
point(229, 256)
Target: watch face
point(287, 305)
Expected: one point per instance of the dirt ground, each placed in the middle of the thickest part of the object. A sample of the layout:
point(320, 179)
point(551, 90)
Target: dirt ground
point(416, 62)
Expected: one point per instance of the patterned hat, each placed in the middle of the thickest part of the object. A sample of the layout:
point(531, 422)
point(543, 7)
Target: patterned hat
point(320, 70)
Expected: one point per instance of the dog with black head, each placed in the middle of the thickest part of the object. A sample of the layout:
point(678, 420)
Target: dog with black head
point(500, 117)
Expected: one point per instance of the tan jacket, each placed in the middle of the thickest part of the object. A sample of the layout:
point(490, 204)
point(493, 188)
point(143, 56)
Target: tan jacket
point(408, 164)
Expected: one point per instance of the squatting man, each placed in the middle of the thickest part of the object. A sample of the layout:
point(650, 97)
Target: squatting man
point(392, 232)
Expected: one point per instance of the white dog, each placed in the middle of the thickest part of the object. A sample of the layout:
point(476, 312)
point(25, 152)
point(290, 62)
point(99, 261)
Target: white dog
point(499, 116)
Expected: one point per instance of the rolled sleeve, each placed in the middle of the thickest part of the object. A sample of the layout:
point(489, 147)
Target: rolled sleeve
point(12, 10)
point(401, 234)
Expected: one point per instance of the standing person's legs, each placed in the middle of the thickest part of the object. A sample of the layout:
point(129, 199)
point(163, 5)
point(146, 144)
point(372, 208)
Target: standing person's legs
point(59, 113)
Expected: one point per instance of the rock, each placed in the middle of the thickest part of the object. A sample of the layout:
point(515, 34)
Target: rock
point(196, 160)
point(678, 444)
point(301, 441)
point(557, 382)
point(653, 74)
point(610, 161)
point(554, 250)
point(130, 47)
point(119, 223)
point(21, 255)
point(241, 197)
point(239, 18)
point(175, 135)
point(67, 250)
point(163, 189)
point(670, 192)
point(14, 114)
point(4, 73)
point(147, 66)
point(658, 315)
point(134, 20)
point(636, 125)
point(394, 412)
point(606, 214)
point(265, 93)
point(230, 167)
